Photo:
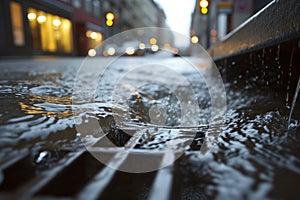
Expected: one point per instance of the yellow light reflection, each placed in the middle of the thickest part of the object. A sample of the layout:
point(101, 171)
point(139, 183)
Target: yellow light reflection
point(153, 41)
point(32, 107)
point(31, 16)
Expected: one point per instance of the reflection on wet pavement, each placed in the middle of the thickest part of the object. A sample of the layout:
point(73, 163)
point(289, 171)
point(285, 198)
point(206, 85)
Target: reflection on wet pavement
point(256, 156)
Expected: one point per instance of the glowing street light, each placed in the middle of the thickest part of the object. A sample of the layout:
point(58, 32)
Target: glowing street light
point(194, 39)
point(142, 46)
point(109, 23)
point(203, 6)
point(154, 48)
point(110, 17)
point(203, 3)
point(204, 11)
point(92, 52)
point(153, 41)
point(56, 22)
point(130, 50)
point(111, 51)
point(41, 19)
point(31, 16)
point(94, 35)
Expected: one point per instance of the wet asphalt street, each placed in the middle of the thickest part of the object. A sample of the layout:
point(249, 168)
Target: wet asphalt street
point(48, 107)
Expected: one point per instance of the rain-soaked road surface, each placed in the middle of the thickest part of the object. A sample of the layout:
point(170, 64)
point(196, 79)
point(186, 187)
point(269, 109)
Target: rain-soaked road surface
point(256, 155)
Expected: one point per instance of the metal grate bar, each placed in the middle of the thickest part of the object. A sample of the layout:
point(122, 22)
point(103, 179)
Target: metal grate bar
point(13, 159)
point(162, 185)
point(96, 187)
point(78, 175)
point(30, 188)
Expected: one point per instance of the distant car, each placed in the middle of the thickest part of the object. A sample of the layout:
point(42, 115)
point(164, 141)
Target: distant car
point(175, 52)
point(183, 51)
point(131, 48)
point(110, 50)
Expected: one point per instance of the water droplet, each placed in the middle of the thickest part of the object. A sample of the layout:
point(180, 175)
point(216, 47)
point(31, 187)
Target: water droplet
point(294, 101)
point(41, 157)
point(278, 76)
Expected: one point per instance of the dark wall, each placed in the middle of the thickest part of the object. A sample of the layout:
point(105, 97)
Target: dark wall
point(264, 54)
point(259, 4)
point(2, 28)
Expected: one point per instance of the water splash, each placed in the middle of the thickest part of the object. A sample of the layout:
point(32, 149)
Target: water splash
point(289, 79)
point(294, 102)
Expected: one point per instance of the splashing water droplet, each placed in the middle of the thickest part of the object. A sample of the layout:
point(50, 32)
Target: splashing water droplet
point(42, 156)
point(289, 74)
point(294, 101)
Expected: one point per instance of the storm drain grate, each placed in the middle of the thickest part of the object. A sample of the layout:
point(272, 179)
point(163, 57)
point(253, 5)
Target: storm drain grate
point(79, 175)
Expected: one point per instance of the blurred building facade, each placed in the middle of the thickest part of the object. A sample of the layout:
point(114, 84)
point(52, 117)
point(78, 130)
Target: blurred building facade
point(69, 27)
point(222, 17)
point(131, 14)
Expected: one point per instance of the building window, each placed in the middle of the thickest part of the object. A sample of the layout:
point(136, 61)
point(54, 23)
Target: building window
point(77, 3)
point(17, 23)
point(94, 38)
point(50, 32)
point(96, 8)
point(88, 6)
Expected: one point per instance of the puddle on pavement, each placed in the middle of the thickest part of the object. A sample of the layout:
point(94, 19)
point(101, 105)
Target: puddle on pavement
point(255, 151)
